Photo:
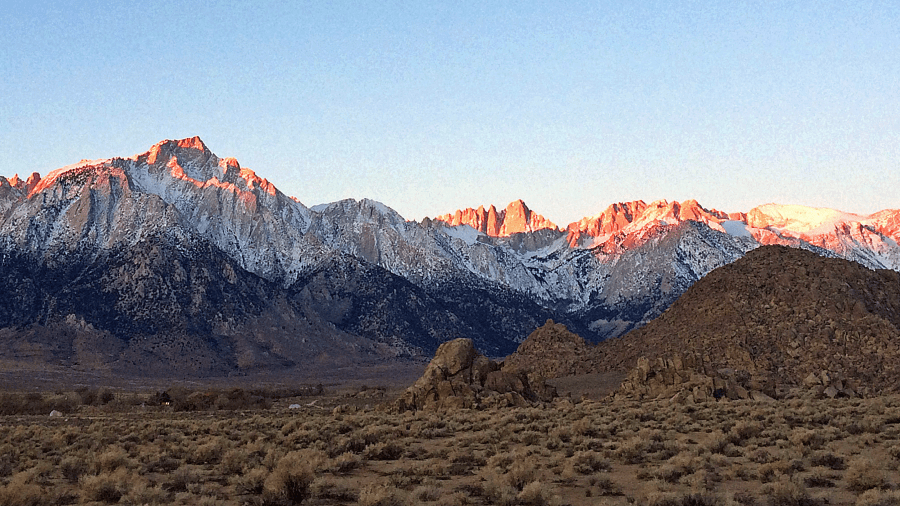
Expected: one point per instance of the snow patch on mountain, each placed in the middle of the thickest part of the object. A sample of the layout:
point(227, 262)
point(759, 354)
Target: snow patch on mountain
point(798, 219)
point(735, 228)
point(465, 233)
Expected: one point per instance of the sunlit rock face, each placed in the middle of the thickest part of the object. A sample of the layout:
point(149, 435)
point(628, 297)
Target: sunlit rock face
point(178, 229)
point(178, 187)
point(515, 219)
point(632, 218)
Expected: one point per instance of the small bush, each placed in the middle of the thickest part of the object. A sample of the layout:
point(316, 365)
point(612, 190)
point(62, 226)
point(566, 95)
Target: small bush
point(669, 473)
point(787, 493)
point(829, 460)
point(344, 463)
point(894, 451)
point(699, 500)
point(426, 493)
point(673, 499)
point(874, 497)
point(113, 458)
point(233, 461)
point(162, 464)
point(633, 451)
point(806, 439)
point(606, 486)
point(521, 472)
point(252, 481)
point(381, 495)
point(108, 487)
point(588, 462)
point(495, 488)
point(818, 479)
point(533, 494)
point(743, 431)
point(72, 468)
point(863, 475)
point(19, 492)
point(290, 480)
point(455, 499)
point(383, 451)
point(207, 453)
point(6, 462)
point(761, 456)
point(180, 480)
point(146, 494)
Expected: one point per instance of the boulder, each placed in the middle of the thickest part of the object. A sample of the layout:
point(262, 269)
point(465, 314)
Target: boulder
point(828, 384)
point(454, 356)
point(503, 382)
point(756, 395)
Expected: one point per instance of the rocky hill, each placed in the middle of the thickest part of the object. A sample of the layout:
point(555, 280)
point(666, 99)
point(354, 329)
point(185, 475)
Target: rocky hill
point(781, 313)
point(553, 351)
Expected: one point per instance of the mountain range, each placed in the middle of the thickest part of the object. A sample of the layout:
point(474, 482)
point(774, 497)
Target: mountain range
point(177, 260)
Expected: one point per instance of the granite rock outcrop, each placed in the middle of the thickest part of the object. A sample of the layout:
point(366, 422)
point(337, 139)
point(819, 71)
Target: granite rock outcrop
point(458, 377)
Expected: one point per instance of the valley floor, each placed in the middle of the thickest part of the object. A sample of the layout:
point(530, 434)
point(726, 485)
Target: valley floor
point(21, 376)
point(340, 448)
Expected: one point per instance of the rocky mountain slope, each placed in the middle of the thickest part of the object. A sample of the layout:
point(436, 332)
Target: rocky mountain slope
point(778, 317)
point(780, 313)
point(178, 252)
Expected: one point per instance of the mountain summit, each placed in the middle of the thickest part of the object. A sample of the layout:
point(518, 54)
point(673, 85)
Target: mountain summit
point(515, 219)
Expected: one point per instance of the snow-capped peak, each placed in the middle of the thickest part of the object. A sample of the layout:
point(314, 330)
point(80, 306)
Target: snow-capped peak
point(799, 220)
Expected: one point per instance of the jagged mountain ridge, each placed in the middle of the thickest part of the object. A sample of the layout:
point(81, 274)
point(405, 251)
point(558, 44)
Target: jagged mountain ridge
point(870, 240)
point(621, 268)
point(517, 218)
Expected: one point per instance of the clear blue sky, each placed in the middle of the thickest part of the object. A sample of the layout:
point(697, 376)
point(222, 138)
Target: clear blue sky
point(429, 107)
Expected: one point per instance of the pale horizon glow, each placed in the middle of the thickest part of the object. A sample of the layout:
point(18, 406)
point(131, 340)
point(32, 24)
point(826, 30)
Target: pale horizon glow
point(433, 107)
